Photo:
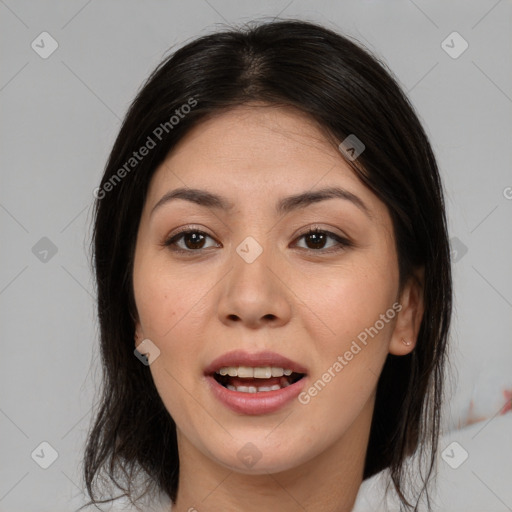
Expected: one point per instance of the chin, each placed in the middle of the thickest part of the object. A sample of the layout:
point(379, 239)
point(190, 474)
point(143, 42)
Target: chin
point(260, 456)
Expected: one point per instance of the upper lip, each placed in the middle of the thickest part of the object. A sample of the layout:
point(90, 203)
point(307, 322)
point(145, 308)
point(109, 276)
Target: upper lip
point(243, 358)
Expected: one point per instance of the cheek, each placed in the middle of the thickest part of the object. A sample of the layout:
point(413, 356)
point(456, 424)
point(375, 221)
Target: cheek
point(168, 310)
point(157, 307)
point(355, 303)
point(170, 304)
point(351, 298)
point(349, 362)
point(164, 297)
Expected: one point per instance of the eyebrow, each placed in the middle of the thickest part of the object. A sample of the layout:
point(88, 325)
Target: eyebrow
point(284, 205)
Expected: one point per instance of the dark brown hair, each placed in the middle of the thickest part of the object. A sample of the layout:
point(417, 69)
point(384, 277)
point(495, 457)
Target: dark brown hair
point(347, 91)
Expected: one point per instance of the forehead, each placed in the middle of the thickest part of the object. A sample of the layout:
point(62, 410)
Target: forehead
point(256, 133)
point(257, 150)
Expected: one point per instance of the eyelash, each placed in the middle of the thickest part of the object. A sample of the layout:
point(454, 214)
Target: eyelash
point(342, 242)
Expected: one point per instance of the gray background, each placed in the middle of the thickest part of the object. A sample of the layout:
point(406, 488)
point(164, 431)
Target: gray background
point(60, 116)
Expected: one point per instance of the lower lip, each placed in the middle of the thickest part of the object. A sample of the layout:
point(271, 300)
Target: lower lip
point(263, 402)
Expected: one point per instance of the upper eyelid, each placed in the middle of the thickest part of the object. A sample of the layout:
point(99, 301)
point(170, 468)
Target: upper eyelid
point(312, 227)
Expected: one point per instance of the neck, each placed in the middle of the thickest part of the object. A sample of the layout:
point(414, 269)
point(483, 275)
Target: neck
point(328, 482)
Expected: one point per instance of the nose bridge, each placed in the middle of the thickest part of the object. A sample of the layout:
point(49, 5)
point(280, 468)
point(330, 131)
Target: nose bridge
point(250, 250)
point(251, 262)
point(255, 239)
point(253, 293)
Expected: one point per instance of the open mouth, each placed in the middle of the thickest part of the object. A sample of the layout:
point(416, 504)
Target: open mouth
point(261, 379)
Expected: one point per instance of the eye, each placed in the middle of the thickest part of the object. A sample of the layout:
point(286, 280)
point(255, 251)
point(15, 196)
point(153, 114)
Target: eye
point(316, 239)
point(193, 240)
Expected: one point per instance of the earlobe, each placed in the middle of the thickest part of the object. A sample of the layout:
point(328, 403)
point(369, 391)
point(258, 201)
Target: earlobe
point(407, 326)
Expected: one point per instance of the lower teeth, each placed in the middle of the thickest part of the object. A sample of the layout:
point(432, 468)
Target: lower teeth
point(254, 389)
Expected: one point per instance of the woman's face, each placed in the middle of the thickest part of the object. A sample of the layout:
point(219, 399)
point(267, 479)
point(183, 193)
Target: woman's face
point(250, 295)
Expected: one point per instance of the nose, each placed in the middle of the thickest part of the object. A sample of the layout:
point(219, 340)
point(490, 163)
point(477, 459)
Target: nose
point(254, 293)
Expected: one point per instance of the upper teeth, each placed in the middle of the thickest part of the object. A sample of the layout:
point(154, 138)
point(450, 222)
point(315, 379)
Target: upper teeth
point(260, 372)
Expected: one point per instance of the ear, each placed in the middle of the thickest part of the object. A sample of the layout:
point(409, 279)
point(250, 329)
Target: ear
point(139, 335)
point(409, 318)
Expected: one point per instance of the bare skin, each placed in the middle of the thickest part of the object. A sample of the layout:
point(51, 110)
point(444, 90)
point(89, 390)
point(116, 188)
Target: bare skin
point(304, 299)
